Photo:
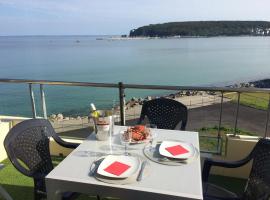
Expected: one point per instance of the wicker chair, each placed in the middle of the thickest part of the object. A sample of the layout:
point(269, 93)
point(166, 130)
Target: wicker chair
point(258, 183)
point(165, 113)
point(27, 147)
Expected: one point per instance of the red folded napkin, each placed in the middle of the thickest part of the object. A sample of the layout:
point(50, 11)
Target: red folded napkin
point(117, 168)
point(176, 150)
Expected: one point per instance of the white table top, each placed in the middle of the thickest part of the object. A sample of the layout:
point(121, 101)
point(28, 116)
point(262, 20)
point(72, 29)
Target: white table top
point(178, 181)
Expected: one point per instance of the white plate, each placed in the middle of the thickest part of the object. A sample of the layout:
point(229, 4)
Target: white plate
point(133, 162)
point(187, 146)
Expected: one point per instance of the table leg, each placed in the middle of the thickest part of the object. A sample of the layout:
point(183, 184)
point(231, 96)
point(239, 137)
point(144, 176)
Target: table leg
point(53, 192)
point(54, 195)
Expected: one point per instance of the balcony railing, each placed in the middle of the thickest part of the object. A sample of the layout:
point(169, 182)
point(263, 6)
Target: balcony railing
point(121, 92)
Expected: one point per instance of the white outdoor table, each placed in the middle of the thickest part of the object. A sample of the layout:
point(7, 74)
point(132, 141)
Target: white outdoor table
point(163, 182)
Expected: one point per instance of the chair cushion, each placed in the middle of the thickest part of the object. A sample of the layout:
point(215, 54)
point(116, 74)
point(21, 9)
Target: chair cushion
point(212, 192)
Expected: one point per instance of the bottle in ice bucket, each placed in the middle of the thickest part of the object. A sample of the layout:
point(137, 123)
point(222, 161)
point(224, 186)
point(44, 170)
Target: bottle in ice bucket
point(103, 124)
point(94, 111)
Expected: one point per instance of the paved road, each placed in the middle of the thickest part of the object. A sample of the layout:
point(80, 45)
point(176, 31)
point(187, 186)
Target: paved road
point(250, 119)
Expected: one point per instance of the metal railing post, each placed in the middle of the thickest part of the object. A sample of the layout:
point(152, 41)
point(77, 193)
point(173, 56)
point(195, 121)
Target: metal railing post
point(32, 98)
point(237, 113)
point(122, 103)
point(267, 118)
point(220, 118)
point(43, 101)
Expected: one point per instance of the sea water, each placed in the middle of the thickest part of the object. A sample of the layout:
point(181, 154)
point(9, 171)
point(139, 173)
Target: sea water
point(184, 61)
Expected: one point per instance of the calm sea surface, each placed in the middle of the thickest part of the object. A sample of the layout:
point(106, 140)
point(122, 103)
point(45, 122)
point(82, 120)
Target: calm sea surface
point(187, 61)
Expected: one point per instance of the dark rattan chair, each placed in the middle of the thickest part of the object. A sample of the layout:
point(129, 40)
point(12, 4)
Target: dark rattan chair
point(165, 113)
point(258, 183)
point(27, 147)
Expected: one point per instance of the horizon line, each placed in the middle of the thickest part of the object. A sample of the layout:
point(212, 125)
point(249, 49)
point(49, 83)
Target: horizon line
point(45, 35)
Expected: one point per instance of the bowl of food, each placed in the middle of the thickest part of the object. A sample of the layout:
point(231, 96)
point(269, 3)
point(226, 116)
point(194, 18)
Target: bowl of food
point(136, 134)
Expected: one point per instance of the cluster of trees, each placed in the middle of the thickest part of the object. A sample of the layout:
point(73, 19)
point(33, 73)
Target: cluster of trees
point(203, 29)
point(265, 83)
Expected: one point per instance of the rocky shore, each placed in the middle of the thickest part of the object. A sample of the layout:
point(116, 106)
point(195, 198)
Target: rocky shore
point(189, 98)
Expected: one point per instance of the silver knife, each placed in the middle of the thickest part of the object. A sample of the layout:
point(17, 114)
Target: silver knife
point(96, 165)
point(139, 178)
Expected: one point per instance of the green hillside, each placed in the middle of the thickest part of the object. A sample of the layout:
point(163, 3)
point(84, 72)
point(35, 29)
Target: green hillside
point(204, 29)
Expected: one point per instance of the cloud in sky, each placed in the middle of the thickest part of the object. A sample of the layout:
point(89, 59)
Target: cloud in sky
point(49, 17)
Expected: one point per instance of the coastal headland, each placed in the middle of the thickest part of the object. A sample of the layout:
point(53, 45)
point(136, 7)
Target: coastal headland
point(203, 29)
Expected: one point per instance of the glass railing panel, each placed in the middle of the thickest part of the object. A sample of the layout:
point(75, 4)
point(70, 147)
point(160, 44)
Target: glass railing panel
point(211, 113)
point(15, 100)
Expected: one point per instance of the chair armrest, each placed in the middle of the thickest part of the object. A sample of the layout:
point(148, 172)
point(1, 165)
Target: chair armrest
point(25, 171)
point(208, 163)
point(20, 168)
point(61, 142)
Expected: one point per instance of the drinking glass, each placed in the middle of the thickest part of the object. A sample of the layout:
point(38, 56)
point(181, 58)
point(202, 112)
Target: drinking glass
point(112, 119)
point(126, 137)
point(153, 136)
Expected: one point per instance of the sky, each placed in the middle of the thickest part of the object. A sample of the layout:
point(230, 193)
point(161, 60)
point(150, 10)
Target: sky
point(114, 17)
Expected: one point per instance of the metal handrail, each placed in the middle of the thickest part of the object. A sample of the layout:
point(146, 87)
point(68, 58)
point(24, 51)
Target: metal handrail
point(63, 83)
point(136, 86)
point(121, 88)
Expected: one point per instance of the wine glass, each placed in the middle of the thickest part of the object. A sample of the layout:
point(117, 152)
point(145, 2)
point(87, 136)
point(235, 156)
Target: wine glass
point(153, 135)
point(126, 137)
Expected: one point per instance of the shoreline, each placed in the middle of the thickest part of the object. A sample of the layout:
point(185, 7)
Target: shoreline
point(176, 37)
point(192, 99)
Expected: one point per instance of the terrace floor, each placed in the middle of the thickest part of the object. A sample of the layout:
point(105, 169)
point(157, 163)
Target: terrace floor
point(21, 187)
